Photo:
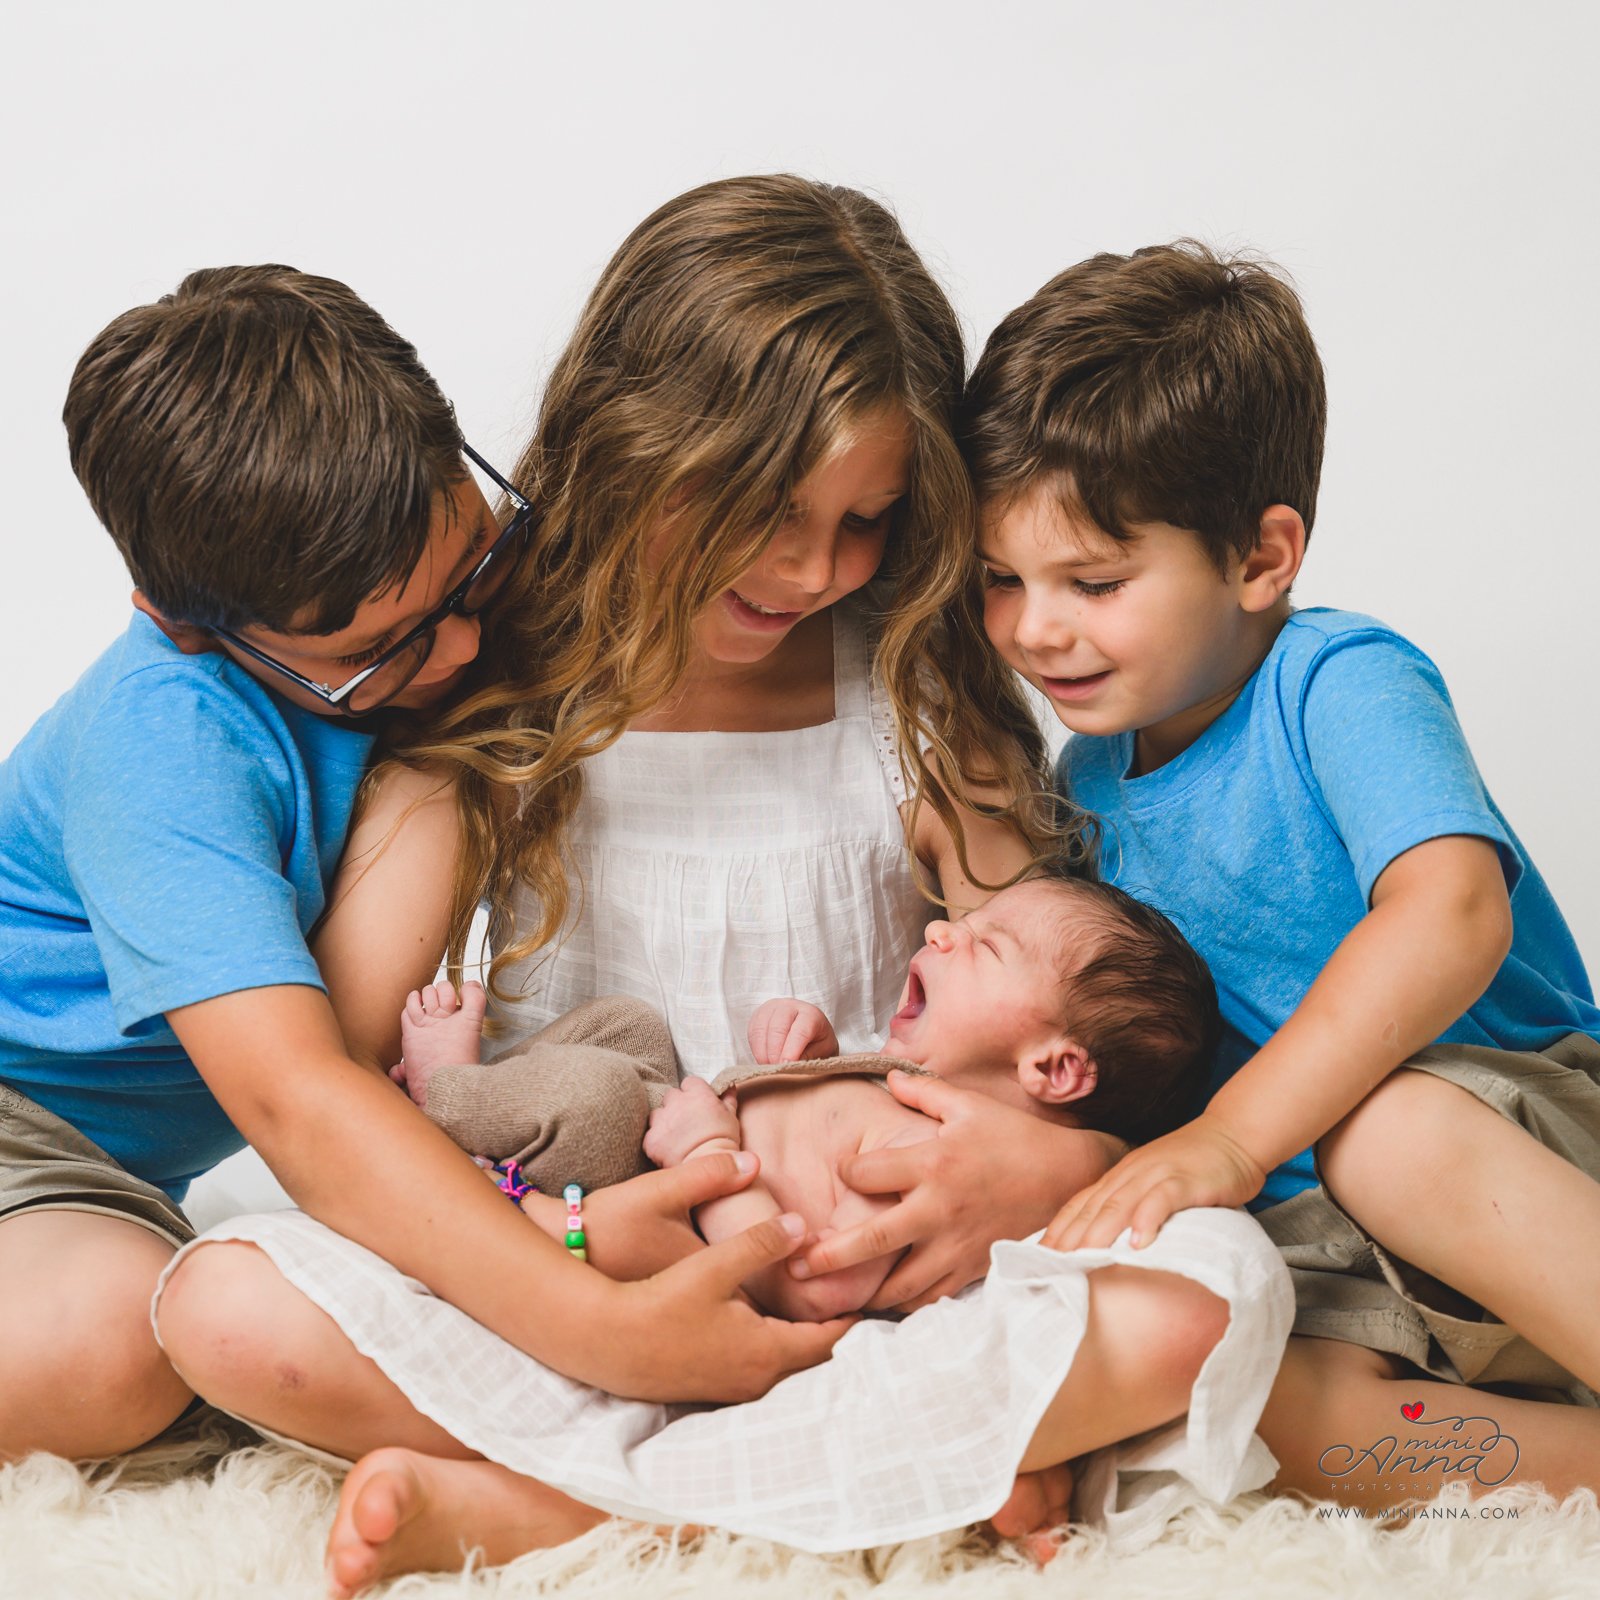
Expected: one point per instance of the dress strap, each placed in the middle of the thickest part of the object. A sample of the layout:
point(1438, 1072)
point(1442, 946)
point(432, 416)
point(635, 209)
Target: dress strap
point(859, 692)
point(852, 663)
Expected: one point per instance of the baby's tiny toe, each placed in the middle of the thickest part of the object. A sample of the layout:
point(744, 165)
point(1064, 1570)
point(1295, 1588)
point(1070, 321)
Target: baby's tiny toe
point(445, 995)
point(414, 1009)
point(430, 1000)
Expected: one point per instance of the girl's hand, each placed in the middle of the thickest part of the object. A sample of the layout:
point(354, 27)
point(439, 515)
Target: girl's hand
point(1198, 1165)
point(639, 1228)
point(791, 1030)
point(687, 1118)
point(689, 1333)
point(990, 1173)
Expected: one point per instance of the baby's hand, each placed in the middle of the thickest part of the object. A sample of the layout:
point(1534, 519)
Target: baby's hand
point(688, 1118)
point(791, 1030)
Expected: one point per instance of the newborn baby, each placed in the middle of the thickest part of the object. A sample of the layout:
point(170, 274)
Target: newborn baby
point(1066, 999)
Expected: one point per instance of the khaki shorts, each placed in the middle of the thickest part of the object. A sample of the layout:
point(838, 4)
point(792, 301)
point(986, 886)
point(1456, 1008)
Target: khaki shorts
point(47, 1165)
point(1348, 1287)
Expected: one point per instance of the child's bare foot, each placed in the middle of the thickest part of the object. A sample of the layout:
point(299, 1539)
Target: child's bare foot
point(402, 1511)
point(438, 1028)
point(1036, 1512)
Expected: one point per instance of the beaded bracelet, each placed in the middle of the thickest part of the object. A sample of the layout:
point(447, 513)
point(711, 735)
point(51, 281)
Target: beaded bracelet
point(511, 1183)
point(576, 1242)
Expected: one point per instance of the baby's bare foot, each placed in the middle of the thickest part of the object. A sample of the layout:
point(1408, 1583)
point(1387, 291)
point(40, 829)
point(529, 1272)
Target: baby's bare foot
point(401, 1511)
point(438, 1028)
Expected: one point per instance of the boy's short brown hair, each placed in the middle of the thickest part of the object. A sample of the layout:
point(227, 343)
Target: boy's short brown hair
point(263, 447)
point(1174, 385)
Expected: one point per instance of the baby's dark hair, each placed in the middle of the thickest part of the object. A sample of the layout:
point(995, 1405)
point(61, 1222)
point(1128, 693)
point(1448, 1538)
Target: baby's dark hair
point(1173, 385)
point(1141, 1001)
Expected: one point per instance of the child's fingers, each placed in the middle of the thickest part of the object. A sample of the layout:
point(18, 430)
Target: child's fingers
point(1153, 1210)
point(932, 1096)
point(1076, 1220)
point(888, 1171)
point(798, 1039)
point(1110, 1219)
point(912, 1285)
point(731, 1261)
point(886, 1234)
point(1142, 1204)
point(680, 1189)
point(767, 1028)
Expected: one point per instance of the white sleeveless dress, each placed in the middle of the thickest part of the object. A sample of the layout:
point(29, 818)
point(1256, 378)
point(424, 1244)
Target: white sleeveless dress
point(713, 871)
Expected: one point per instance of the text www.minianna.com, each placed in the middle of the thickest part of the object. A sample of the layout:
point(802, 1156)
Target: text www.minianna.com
point(1420, 1513)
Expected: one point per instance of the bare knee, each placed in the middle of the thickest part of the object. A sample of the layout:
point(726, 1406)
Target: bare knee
point(1148, 1336)
point(1165, 1327)
point(223, 1321)
point(83, 1374)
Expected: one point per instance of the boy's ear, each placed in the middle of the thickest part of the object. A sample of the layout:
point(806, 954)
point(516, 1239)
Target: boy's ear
point(192, 641)
point(1058, 1072)
point(1274, 564)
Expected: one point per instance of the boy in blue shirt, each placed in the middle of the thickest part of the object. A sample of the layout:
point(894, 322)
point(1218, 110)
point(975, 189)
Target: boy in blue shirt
point(287, 486)
point(1294, 789)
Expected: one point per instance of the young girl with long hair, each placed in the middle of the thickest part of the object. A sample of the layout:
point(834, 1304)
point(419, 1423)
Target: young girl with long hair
point(733, 732)
point(751, 566)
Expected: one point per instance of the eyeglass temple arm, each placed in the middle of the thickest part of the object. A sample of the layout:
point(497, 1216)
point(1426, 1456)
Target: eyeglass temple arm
point(510, 488)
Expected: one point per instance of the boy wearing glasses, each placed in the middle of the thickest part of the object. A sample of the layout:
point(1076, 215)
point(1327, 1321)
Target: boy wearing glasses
point(286, 484)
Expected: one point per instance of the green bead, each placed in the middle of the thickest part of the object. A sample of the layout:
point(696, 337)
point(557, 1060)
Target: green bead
point(576, 1239)
point(582, 1255)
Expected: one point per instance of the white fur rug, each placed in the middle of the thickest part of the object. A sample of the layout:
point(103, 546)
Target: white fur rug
point(201, 1518)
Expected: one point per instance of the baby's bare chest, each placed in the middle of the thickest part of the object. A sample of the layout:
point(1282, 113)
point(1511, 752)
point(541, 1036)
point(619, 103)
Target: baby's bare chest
point(803, 1132)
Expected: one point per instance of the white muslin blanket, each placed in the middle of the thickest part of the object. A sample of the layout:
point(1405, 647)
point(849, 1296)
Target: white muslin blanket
point(911, 1428)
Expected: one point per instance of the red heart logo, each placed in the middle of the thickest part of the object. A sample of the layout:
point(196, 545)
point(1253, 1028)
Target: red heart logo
point(1411, 1412)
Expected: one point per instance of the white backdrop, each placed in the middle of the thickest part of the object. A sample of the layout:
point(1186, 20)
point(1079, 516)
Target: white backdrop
point(1427, 172)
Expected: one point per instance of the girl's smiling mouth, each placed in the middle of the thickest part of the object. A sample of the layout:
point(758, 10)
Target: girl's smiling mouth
point(752, 614)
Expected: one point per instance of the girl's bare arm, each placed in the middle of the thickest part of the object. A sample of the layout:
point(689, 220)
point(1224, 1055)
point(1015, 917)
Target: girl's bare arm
point(383, 933)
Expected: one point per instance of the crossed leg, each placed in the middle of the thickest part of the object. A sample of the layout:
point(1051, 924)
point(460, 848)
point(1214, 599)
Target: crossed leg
point(1446, 1183)
point(418, 1500)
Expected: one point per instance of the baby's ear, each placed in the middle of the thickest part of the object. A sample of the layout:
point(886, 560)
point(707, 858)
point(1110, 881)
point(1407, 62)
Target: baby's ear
point(1058, 1072)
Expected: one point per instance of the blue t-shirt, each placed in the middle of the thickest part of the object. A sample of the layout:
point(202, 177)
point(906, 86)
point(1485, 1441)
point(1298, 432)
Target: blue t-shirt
point(167, 834)
point(1263, 839)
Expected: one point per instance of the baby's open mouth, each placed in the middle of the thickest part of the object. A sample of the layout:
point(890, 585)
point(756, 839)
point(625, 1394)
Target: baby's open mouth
point(916, 999)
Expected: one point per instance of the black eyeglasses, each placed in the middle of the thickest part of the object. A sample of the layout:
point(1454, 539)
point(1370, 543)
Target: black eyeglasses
point(377, 684)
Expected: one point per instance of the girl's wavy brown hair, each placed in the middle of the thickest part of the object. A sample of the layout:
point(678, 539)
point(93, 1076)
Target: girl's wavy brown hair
point(742, 333)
